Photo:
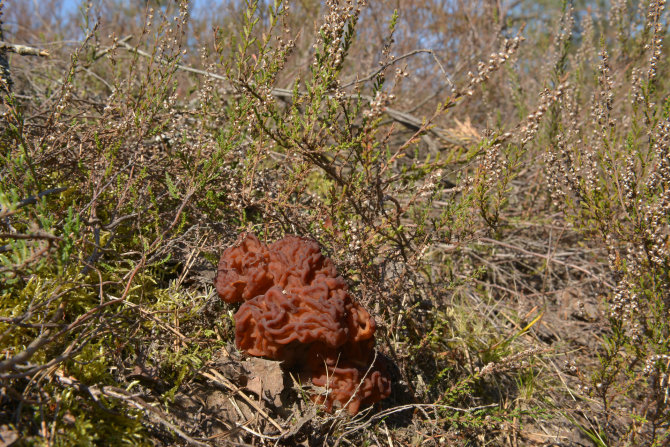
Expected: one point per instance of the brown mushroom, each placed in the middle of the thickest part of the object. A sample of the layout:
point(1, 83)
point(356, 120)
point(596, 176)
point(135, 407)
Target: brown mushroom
point(297, 309)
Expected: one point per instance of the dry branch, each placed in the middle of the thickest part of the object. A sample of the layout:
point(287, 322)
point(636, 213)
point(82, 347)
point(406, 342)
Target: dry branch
point(23, 50)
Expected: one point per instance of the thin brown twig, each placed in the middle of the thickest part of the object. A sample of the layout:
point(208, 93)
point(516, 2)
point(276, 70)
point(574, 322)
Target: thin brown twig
point(30, 236)
point(29, 201)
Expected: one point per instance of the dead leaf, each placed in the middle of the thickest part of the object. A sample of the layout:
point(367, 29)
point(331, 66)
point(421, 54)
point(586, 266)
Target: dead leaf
point(265, 378)
point(8, 436)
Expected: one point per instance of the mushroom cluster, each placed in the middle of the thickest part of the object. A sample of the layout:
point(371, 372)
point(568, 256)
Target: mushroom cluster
point(296, 308)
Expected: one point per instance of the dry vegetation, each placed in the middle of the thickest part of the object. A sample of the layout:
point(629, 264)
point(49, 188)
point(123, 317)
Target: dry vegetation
point(492, 178)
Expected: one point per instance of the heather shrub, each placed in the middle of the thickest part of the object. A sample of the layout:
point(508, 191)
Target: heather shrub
point(490, 178)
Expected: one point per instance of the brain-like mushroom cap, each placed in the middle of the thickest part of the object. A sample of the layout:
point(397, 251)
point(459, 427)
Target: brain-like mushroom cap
point(243, 271)
point(267, 325)
point(297, 309)
point(351, 386)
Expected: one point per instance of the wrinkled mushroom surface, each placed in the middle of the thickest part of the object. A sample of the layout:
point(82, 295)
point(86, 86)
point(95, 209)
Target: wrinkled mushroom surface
point(297, 309)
